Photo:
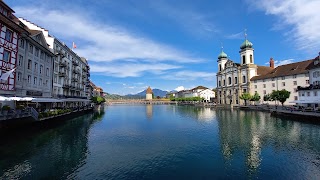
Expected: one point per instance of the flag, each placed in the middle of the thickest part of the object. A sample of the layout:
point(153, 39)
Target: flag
point(5, 75)
point(74, 45)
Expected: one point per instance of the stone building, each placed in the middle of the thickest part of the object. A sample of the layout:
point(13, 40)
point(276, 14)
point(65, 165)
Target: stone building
point(149, 94)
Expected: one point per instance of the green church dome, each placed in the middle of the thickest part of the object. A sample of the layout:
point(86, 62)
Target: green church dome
point(246, 44)
point(222, 55)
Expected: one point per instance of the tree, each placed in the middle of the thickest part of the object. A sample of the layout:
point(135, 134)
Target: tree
point(255, 97)
point(245, 97)
point(267, 97)
point(280, 95)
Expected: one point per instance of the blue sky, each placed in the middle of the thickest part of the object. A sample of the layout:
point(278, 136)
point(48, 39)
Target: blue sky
point(132, 44)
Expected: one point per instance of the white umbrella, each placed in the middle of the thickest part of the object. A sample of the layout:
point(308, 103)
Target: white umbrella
point(26, 99)
point(14, 98)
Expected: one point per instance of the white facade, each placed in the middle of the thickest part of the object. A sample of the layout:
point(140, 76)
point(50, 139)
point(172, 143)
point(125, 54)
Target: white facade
point(34, 66)
point(233, 78)
point(309, 95)
point(207, 94)
point(71, 72)
point(289, 83)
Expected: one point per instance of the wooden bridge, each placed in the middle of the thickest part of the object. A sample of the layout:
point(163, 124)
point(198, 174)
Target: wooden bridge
point(139, 101)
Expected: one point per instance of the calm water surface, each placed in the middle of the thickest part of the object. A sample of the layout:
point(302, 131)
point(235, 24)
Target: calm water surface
point(165, 142)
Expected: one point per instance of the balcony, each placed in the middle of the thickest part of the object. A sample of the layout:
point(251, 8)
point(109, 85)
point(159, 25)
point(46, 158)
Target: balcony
point(62, 74)
point(84, 69)
point(300, 88)
point(62, 64)
point(74, 80)
point(66, 86)
point(76, 71)
point(75, 63)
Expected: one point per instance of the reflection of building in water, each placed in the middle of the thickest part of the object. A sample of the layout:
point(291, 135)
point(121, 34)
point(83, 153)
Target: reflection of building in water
point(206, 114)
point(199, 113)
point(149, 111)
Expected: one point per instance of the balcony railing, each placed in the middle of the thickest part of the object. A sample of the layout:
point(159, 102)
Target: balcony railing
point(62, 74)
point(76, 71)
point(75, 63)
point(66, 86)
point(300, 88)
point(62, 64)
point(74, 80)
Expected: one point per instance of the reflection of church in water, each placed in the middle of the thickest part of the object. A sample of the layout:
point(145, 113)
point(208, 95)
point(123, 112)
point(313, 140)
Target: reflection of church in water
point(149, 111)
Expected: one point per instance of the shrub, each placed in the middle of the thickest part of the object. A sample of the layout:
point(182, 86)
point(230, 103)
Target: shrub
point(20, 107)
point(6, 108)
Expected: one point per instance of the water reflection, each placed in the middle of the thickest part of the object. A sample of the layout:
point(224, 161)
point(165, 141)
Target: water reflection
point(60, 150)
point(253, 132)
point(203, 114)
point(149, 111)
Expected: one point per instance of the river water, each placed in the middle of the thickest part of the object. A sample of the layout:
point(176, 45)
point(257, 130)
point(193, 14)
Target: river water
point(164, 142)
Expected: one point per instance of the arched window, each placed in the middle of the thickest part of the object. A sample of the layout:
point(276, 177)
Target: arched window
point(224, 82)
point(244, 79)
point(219, 83)
point(229, 80)
point(243, 59)
point(220, 67)
point(251, 60)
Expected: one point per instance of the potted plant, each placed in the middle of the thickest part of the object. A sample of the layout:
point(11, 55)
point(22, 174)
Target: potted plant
point(5, 109)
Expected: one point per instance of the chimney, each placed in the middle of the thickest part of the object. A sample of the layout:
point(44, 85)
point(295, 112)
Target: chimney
point(271, 63)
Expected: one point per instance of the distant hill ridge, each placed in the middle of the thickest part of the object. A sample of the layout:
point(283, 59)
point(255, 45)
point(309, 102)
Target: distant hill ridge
point(156, 92)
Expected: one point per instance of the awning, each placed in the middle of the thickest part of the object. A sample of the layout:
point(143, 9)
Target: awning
point(2, 98)
point(306, 101)
point(46, 100)
point(75, 100)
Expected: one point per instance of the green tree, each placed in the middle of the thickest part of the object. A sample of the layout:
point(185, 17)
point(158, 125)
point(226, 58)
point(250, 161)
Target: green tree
point(245, 97)
point(267, 97)
point(255, 97)
point(280, 95)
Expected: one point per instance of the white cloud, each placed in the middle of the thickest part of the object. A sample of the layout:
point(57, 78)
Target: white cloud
point(191, 75)
point(130, 70)
point(239, 35)
point(281, 62)
point(102, 41)
point(179, 88)
point(302, 17)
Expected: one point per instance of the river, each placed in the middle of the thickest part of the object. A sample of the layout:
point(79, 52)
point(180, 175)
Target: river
point(164, 142)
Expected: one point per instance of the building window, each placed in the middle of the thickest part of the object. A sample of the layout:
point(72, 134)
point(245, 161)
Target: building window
point(229, 80)
point(296, 98)
point(272, 79)
point(20, 60)
point(47, 84)
point(255, 81)
point(41, 55)
point(294, 82)
point(294, 76)
point(40, 82)
point(55, 79)
point(37, 52)
point(283, 77)
point(244, 90)
point(235, 80)
point(255, 86)
point(35, 67)
point(21, 43)
point(264, 92)
point(8, 36)
point(6, 56)
point(243, 59)
point(220, 67)
point(19, 76)
point(41, 69)
point(302, 94)
point(295, 90)
point(263, 80)
point(244, 79)
point(30, 49)
point(47, 72)
point(315, 93)
point(224, 82)
point(29, 79)
point(308, 93)
point(273, 85)
point(307, 81)
point(219, 83)
point(283, 84)
point(29, 64)
point(251, 59)
point(264, 85)
point(35, 81)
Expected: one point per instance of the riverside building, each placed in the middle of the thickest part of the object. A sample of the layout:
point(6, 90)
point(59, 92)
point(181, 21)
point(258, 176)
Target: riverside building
point(10, 33)
point(234, 79)
point(70, 72)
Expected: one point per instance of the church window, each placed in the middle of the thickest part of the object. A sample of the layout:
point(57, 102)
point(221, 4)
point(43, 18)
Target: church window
point(243, 59)
point(244, 79)
point(224, 82)
point(229, 80)
point(251, 60)
point(219, 83)
point(220, 67)
point(235, 80)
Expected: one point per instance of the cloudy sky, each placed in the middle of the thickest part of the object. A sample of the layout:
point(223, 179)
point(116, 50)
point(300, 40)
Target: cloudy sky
point(165, 44)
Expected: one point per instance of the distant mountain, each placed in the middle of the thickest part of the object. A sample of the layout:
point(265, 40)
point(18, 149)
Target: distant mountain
point(156, 92)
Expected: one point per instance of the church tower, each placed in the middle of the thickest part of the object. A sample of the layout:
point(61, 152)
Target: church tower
point(246, 52)
point(222, 59)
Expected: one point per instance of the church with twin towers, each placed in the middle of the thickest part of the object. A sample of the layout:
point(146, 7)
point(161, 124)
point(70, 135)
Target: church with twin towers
point(244, 76)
